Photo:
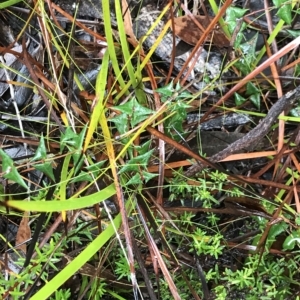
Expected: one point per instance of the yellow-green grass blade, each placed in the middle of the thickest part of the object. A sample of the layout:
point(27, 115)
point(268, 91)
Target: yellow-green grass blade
point(272, 36)
point(140, 94)
point(9, 3)
point(151, 51)
point(70, 204)
point(110, 42)
point(98, 106)
point(51, 286)
point(216, 9)
point(63, 51)
point(65, 178)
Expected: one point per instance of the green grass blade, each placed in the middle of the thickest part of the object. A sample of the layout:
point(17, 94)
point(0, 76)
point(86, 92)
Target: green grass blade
point(140, 94)
point(123, 40)
point(70, 204)
point(99, 105)
point(110, 42)
point(150, 52)
point(9, 3)
point(272, 37)
point(216, 9)
point(78, 262)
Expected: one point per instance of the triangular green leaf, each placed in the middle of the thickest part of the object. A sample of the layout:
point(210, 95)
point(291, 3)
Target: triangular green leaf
point(10, 171)
point(46, 168)
point(142, 149)
point(255, 99)
point(238, 99)
point(166, 91)
point(76, 156)
point(41, 151)
point(232, 14)
point(139, 117)
point(69, 138)
point(135, 163)
point(126, 108)
point(251, 89)
point(147, 176)
point(285, 13)
point(136, 179)
point(121, 122)
point(293, 33)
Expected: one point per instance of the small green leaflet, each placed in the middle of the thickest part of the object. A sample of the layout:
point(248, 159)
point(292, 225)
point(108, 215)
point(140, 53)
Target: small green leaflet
point(41, 154)
point(10, 171)
point(137, 162)
point(254, 93)
point(135, 111)
point(284, 10)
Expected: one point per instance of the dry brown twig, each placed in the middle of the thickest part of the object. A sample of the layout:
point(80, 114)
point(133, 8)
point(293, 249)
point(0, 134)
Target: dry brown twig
point(256, 134)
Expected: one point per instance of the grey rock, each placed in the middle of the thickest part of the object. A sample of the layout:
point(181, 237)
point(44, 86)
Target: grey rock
point(23, 92)
point(90, 8)
point(88, 79)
